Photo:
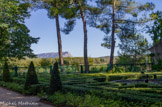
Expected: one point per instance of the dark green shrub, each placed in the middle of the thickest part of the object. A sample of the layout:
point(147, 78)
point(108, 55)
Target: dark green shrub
point(31, 77)
point(158, 66)
point(55, 83)
point(94, 70)
point(118, 69)
point(13, 86)
point(66, 62)
point(37, 88)
point(145, 76)
point(81, 69)
point(16, 69)
point(18, 80)
point(155, 76)
point(45, 62)
point(6, 73)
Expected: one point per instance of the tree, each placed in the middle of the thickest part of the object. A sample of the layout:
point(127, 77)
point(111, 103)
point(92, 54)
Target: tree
point(15, 40)
point(82, 10)
point(55, 9)
point(132, 44)
point(31, 77)
point(85, 38)
point(113, 15)
point(6, 73)
point(55, 82)
point(156, 29)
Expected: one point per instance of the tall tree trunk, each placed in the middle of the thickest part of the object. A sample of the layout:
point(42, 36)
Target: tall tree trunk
point(113, 37)
point(85, 40)
point(59, 41)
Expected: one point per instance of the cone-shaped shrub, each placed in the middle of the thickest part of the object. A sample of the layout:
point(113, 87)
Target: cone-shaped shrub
point(31, 77)
point(55, 83)
point(6, 73)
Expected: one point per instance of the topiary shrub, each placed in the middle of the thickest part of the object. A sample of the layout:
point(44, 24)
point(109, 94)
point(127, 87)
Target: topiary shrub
point(31, 77)
point(6, 73)
point(55, 83)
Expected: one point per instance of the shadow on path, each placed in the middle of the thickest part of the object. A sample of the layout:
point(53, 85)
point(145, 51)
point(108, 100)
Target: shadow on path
point(13, 99)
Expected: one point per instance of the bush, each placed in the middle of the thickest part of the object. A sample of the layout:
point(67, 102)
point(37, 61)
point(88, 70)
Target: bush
point(13, 86)
point(45, 62)
point(37, 88)
point(55, 83)
point(31, 77)
point(6, 73)
point(145, 76)
point(117, 69)
point(158, 66)
point(57, 98)
point(66, 62)
point(94, 69)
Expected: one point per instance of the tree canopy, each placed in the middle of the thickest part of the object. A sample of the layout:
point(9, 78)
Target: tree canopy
point(156, 29)
point(15, 40)
point(133, 46)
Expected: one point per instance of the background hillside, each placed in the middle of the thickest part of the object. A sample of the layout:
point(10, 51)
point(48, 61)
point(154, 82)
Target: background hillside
point(53, 55)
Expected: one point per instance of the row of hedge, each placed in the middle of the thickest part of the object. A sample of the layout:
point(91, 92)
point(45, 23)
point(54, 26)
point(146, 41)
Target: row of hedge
point(31, 82)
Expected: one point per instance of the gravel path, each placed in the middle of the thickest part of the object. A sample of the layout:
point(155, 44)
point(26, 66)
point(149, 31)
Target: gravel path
point(13, 99)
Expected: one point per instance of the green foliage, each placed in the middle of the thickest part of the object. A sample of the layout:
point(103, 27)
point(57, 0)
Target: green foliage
point(45, 62)
point(107, 42)
point(69, 25)
point(145, 76)
point(15, 40)
point(117, 69)
point(97, 89)
point(75, 100)
point(133, 46)
point(98, 68)
point(86, 100)
point(158, 66)
point(124, 59)
point(103, 21)
point(48, 61)
point(6, 73)
point(13, 86)
point(16, 69)
point(55, 82)
point(90, 61)
point(156, 30)
point(31, 77)
point(42, 94)
point(19, 87)
point(57, 98)
point(81, 69)
point(75, 63)
point(66, 62)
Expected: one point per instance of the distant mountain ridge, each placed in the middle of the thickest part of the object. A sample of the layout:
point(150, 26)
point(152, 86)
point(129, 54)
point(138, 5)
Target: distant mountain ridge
point(53, 55)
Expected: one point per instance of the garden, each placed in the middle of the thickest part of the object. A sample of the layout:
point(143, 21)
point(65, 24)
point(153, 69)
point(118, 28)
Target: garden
point(129, 75)
point(100, 89)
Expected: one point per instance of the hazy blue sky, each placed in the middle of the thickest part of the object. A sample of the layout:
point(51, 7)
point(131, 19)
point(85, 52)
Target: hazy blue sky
point(41, 26)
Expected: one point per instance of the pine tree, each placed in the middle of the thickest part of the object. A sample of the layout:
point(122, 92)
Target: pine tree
point(113, 16)
point(55, 83)
point(81, 9)
point(6, 73)
point(31, 77)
